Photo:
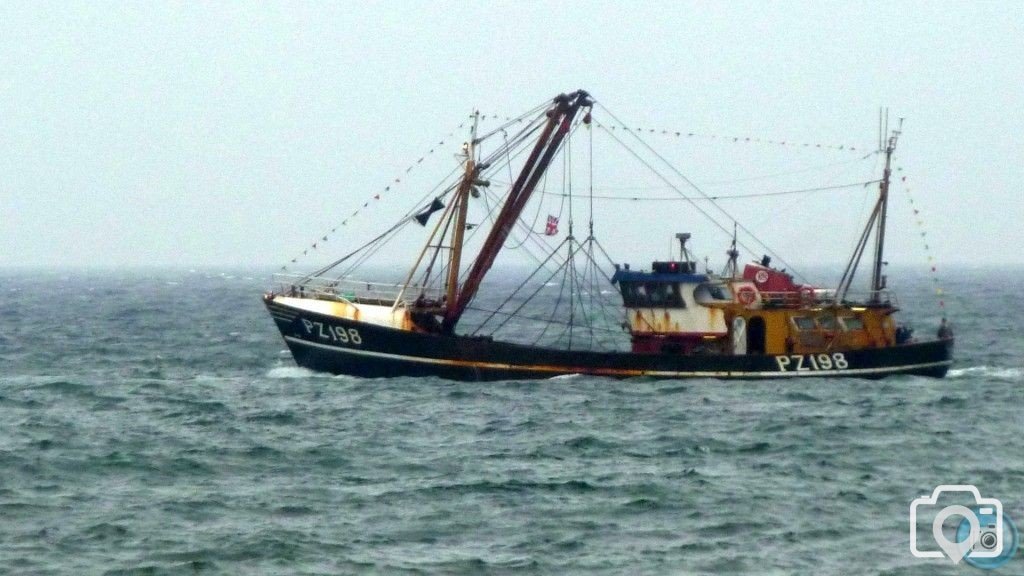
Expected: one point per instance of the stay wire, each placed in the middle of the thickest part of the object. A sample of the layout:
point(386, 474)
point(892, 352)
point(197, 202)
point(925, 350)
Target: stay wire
point(730, 196)
point(701, 192)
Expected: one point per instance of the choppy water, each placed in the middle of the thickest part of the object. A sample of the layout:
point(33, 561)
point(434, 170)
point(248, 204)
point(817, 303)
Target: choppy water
point(150, 423)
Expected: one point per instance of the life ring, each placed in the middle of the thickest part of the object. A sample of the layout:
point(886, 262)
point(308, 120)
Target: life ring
point(746, 295)
point(807, 293)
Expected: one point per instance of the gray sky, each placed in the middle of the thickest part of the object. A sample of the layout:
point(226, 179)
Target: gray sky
point(238, 133)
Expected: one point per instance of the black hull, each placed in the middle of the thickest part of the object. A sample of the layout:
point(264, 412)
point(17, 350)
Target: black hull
point(340, 346)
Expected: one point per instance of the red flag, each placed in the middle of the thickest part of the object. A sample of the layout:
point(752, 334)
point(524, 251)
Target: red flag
point(552, 228)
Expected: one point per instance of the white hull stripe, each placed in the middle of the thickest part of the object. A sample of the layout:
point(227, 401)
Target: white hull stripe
point(619, 371)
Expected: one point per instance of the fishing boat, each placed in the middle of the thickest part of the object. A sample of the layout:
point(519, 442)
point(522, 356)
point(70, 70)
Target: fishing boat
point(673, 319)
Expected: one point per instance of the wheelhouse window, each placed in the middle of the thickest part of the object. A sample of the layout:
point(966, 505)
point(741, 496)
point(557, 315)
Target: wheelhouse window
point(803, 323)
point(708, 292)
point(652, 295)
point(852, 323)
point(827, 322)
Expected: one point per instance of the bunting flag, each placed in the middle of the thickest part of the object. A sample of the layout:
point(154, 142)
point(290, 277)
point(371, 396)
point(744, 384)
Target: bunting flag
point(587, 119)
point(552, 227)
point(739, 139)
point(375, 197)
point(933, 269)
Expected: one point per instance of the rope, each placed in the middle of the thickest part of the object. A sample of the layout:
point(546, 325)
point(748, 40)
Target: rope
point(695, 187)
point(376, 197)
point(727, 196)
point(722, 137)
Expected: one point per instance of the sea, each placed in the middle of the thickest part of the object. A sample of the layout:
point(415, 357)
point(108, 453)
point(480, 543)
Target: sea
point(152, 422)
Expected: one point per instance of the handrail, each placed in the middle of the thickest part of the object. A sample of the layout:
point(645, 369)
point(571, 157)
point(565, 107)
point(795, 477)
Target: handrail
point(348, 289)
point(826, 297)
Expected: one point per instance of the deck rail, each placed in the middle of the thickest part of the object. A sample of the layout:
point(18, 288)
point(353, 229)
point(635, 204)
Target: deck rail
point(349, 289)
point(827, 297)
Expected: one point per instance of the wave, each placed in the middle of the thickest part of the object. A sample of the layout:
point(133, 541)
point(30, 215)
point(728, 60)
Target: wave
point(573, 376)
point(998, 372)
point(291, 372)
point(299, 373)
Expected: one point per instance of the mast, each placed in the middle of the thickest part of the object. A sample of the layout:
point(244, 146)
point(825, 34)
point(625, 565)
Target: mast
point(877, 278)
point(462, 199)
point(560, 116)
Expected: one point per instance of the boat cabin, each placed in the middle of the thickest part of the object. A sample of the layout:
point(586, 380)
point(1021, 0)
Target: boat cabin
point(667, 308)
point(673, 309)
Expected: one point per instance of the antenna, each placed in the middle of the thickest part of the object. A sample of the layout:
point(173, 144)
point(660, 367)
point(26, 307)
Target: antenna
point(731, 268)
point(880, 131)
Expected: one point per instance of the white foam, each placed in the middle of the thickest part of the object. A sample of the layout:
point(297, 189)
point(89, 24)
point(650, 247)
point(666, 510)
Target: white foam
point(1001, 372)
point(572, 376)
point(287, 372)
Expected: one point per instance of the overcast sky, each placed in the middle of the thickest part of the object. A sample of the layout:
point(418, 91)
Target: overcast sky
point(186, 133)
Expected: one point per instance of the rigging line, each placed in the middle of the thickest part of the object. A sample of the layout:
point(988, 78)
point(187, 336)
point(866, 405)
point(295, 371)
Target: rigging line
point(702, 193)
point(372, 246)
point(737, 139)
point(517, 141)
point(442, 275)
point(714, 183)
point(451, 187)
point(509, 158)
point(561, 206)
point(414, 210)
point(531, 296)
point(554, 312)
point(547, 319)
point(743, 139)
point(520, 287)
point(789, 172)
point(536, 216)
point(598, 269)
point(729, 196)
point(371, 251)
point(375, 197)
point(607, 257)
point(508, 163)
point(391, 230)
point(587, 291)
point(666, 180)
point(594, 285)
point(567, 185)
point(590, 176)
point(528, 231)
point(526, 249)
point(594, 288)
point(682, 176)
point(575, 298)
point(854, 263)
point(539, 245)
point(864, 202)
point(580, 281)
point(522, 224)
point(518, 119)
point(571, 274)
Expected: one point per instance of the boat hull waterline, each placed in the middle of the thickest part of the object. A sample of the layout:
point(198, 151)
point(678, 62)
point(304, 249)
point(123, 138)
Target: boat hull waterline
point(326, 343)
